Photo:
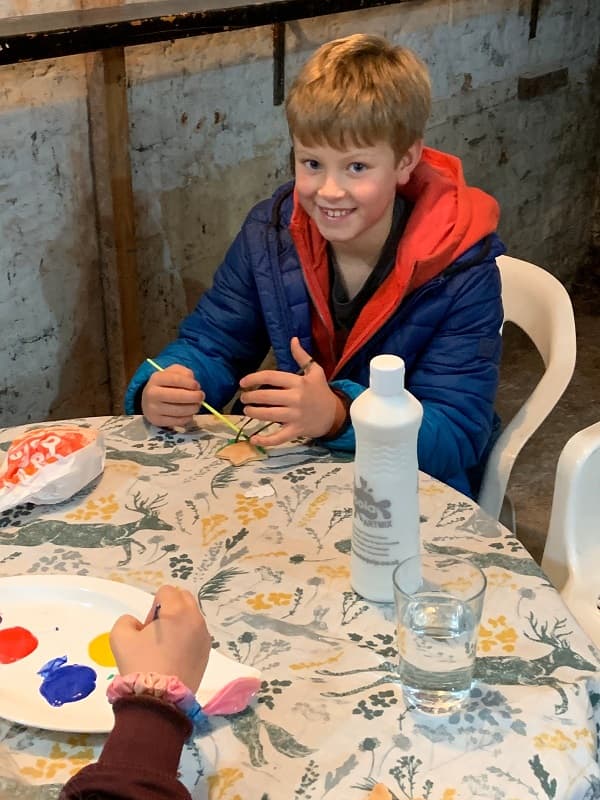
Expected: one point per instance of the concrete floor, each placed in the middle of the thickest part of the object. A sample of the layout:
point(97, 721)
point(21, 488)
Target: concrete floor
point(532, 479)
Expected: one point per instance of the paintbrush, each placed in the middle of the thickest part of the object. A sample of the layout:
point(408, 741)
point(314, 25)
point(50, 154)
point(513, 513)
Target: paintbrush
point(205, 405)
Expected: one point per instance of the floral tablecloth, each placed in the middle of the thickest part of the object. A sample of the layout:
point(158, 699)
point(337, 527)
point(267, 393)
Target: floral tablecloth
point(265, 547)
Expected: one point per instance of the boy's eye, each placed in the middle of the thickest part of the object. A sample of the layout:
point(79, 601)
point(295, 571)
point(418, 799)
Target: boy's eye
point(311, 163)
point(357, 167)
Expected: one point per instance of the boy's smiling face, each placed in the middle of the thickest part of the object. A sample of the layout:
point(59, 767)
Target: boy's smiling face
point(350, 193)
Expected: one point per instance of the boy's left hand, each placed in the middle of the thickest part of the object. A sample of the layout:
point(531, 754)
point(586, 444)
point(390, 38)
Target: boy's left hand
point(303, 404)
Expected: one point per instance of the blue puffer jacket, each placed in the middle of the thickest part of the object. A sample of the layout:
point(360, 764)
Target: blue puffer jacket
point(445, 322)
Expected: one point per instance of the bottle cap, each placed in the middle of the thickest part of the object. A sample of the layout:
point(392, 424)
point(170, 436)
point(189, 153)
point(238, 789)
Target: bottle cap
point(387, 375)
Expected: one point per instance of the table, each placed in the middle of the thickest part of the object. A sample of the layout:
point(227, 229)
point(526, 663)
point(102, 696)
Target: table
point(265, 546)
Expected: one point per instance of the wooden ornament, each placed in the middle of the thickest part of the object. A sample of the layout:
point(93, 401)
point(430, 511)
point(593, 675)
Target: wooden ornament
point(241, 452)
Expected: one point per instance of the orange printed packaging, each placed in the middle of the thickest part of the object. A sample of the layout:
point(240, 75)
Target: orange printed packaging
point(49, 465)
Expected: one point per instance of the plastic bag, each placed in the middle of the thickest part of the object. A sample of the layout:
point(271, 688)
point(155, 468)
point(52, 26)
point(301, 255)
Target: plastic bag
point(49, 465)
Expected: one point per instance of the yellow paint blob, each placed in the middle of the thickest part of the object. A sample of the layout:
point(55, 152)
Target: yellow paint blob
point(100, 652)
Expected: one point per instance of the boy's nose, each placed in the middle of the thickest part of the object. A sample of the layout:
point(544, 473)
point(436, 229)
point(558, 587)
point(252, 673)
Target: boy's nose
point(330, 189)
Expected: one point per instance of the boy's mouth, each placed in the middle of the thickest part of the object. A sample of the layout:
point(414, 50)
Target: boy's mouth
point(335, 213)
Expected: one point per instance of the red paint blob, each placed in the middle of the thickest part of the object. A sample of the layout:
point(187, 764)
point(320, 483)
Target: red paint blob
point(16, 643)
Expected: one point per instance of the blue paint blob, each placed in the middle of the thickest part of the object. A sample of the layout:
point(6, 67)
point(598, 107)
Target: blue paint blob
point(66, 684)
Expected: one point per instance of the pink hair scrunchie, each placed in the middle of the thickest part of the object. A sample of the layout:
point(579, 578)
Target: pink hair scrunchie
point(164, 687)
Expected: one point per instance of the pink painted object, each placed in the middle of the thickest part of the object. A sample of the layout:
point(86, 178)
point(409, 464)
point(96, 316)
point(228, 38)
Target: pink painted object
point(233, 697)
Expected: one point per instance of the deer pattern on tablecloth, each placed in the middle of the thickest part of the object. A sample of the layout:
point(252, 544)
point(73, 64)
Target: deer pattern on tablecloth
point(168, 459)
point(515, 671)
point(501, 670)
point(522, 565)
point(91, 535)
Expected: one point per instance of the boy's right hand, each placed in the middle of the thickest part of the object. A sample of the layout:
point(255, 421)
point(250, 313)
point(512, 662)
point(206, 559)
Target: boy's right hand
point(176, 643)
point(172, 397)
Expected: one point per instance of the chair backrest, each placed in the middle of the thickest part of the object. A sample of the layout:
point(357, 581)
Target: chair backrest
point(538, 303)
point(573, 534)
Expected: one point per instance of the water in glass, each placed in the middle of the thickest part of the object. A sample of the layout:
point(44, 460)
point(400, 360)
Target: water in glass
point(437, 637)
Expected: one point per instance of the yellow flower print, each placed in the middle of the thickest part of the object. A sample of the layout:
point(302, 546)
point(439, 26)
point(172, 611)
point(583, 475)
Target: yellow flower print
point(260, 603)
point(223, 780)
point(213, 528)
point(43, 769)
point(460, 584)
point(312, 664)
point(498, 636)
point(586, 735)
point(59, 762)
point(127, 467)
point(280, 598)
point(153, 578)
point(554, 741)
point(103, 509)
point(560, 741)
point(313, 508)
point(334, 572)
point(78, 740)
point(505, 580)
point(272, 554)
point(431, 488)
point(248, 509)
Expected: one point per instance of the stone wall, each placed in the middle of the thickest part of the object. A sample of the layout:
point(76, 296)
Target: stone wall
point(207, 142)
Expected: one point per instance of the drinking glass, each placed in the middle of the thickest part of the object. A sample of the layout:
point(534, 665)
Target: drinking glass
point(438, 601)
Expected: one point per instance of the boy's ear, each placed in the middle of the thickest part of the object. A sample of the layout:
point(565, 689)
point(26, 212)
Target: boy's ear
point(408, 162)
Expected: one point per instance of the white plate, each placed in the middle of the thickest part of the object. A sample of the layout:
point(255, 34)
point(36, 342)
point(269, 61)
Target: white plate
point(65, 613)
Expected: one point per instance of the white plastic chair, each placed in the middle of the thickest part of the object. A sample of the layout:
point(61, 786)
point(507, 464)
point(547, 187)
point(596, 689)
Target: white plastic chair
point(538, 303)
point(572, 548)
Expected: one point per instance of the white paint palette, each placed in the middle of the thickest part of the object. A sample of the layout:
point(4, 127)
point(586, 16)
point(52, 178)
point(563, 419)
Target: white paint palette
point(65, 613)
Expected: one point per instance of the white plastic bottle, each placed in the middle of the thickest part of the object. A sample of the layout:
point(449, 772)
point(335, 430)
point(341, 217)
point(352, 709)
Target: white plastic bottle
point(385, 529)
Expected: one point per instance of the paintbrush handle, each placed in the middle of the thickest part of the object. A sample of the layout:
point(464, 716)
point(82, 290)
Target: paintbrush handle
point(223, 419)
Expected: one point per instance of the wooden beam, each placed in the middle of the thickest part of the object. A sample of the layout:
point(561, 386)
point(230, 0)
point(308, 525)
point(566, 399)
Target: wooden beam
point(278, 63)
point(123, 211)
point(62, 33)
point(533, 18)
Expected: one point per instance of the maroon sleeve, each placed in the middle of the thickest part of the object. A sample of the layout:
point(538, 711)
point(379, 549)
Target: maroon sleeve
point(140, 757)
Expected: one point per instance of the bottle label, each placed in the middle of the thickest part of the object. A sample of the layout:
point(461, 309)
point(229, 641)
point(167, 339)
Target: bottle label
point(371, 541)
point(371, 512)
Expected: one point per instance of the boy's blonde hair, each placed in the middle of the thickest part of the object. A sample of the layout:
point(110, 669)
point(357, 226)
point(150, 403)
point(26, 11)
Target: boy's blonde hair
point(358, 91)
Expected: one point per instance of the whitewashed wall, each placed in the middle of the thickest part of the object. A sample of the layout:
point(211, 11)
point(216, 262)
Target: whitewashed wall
point(51, 318)
point(206, 143)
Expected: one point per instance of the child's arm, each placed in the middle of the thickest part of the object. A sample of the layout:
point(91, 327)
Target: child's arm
point(140, 758)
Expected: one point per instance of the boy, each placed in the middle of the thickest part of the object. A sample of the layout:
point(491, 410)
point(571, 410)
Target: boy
point(378, 246)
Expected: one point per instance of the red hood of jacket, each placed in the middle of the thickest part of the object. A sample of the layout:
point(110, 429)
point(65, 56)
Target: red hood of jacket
point(447, 218)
